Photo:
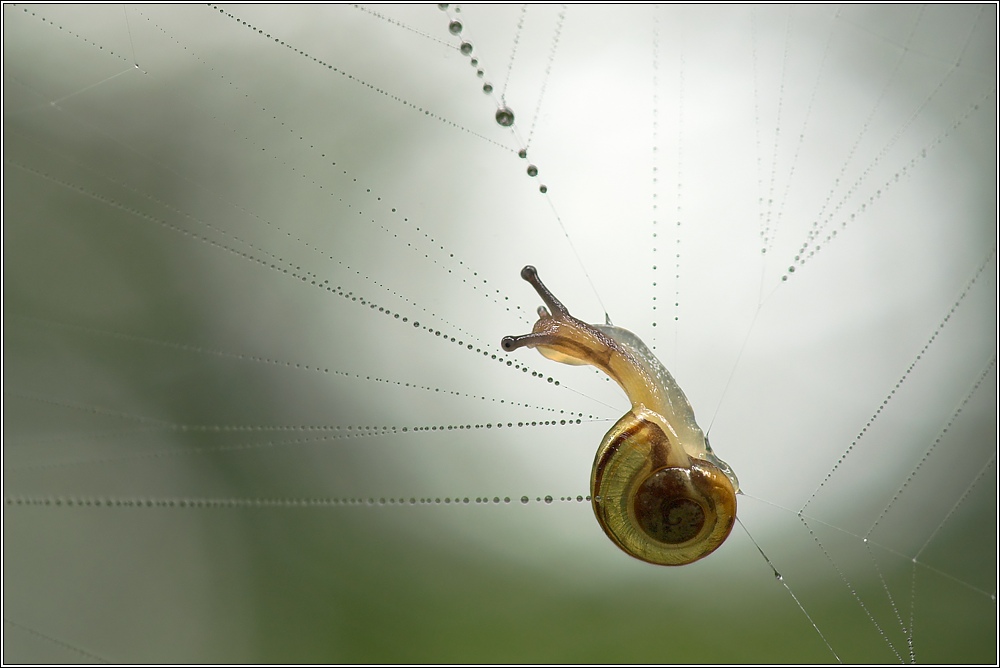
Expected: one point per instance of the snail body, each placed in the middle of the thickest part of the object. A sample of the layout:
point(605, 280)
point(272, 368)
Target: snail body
point(657, 489)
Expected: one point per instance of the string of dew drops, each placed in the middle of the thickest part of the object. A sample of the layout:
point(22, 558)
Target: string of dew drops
point(48, 501)
point(504, 117)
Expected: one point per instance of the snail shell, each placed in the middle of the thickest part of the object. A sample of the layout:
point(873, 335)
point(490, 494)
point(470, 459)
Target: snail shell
point(657, 489)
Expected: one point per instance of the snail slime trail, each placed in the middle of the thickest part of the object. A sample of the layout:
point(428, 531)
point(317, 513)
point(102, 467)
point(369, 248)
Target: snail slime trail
point(254, 289)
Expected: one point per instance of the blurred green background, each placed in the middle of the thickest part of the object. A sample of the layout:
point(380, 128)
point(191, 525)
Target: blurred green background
point(182, 184)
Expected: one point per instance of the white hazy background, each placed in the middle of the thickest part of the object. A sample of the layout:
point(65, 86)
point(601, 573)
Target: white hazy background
point(182, 184)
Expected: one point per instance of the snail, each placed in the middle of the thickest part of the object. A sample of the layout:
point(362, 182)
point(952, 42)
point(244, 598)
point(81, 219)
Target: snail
point(657, 489)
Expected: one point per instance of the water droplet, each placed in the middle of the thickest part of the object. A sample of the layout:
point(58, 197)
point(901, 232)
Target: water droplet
point(443, 7)
point(791, 270)
point(548, 499)
point(465, 48)
point(455, 27)
point(532, 170)
point(543, 189)
point(474, 62)
point(479, 73)
point(524, 499)
point(488, 88)
point(505, 117)
point(523, 153)
point(777, 576)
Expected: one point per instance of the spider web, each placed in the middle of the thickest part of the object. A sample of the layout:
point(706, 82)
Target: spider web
point(258, 263)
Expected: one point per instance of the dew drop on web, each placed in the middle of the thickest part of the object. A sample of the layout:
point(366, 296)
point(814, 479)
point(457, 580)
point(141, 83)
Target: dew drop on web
point(505, 116)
